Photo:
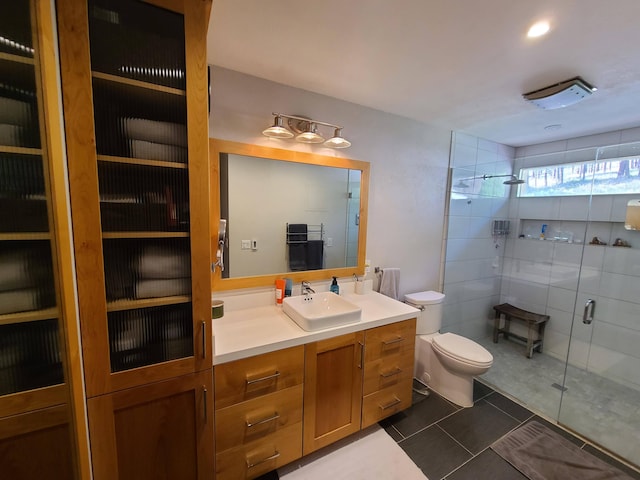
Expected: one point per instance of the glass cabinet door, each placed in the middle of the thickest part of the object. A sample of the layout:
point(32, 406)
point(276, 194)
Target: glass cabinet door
point(30, 352)
point(131, 191)
point(36, 409)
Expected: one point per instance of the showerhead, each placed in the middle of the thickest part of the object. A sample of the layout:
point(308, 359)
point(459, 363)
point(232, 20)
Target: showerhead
point(513, 181)
point(461, 184)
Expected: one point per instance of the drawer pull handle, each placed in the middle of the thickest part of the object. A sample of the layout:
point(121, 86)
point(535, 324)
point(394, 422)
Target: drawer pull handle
point(204, 401)
point(273, 417)
point(264, 460)
point(204, 340)
point(391, 404)
point(361, 354)
point(392, 342)
point(263, 379)
point(391, 373)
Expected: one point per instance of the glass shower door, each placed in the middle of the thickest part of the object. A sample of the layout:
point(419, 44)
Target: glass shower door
point(601, 387)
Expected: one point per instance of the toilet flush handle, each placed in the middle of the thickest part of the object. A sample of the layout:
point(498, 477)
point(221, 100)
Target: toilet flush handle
point(589, 308)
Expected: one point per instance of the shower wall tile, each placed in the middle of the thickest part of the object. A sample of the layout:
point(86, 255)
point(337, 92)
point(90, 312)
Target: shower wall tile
point(564, 276)
point(619, 339)
point(456, 271)
point(619, 287)
point(461, 138)
point(458, 227)
point(567, 254)
point(539, 208)
point(590, 281)
point(526, 293)
point(464, 156)
point(560, 322)
point(562, 299)
point(487, 157)
point(601, 207)
point(616, 312)
point(556, 344)
point(573, 208)
point(482, 207)
point(460, 207)
point(625, 261)
point(533, 250)
point(593, 256)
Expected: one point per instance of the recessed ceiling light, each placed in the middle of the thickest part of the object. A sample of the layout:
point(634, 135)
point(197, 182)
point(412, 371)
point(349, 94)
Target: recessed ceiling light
point(538, 29)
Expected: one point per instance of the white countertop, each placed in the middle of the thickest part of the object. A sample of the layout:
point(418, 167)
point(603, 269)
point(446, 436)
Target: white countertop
point(261, 329)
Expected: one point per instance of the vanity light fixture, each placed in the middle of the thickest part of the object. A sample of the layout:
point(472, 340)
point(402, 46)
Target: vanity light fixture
point(310, 134)
point(305, 130)
point(277, 130)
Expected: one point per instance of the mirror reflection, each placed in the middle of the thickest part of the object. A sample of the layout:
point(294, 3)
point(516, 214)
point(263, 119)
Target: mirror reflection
point(288, 213)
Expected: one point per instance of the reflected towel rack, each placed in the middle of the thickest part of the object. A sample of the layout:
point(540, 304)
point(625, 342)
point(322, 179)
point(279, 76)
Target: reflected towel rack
point(314, 232)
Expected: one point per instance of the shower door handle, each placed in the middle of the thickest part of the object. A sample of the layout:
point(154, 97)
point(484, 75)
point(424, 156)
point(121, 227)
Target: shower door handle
point(589, 308)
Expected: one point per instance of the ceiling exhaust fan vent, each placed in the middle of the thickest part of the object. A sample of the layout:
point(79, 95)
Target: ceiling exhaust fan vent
point(561, 94)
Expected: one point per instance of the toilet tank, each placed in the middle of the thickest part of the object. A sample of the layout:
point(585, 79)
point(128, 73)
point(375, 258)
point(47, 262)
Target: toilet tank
point(430, 304)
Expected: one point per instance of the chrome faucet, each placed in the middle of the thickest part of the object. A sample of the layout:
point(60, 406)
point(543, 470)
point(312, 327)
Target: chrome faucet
point(305, 289)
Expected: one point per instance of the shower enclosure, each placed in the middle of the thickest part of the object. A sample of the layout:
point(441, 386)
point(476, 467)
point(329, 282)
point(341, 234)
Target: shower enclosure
point(567, 255)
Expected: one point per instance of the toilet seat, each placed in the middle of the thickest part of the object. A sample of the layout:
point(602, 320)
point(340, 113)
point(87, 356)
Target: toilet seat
point(462, 349)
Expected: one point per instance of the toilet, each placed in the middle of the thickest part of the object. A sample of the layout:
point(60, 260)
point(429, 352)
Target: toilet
point(445, 362)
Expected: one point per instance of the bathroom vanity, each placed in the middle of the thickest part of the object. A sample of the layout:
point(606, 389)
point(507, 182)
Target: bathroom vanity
point(282, 392)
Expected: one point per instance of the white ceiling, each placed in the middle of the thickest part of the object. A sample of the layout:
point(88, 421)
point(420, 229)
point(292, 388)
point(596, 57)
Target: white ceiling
point(458, 64)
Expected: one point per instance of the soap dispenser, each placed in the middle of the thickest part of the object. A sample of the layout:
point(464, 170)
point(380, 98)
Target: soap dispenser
point(334, 286)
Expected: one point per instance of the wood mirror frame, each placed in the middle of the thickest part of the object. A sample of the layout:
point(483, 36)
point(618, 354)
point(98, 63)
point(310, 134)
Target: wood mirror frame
point(216, 147)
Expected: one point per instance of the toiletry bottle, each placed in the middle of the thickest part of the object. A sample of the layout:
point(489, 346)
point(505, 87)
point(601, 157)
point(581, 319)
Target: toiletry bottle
point(280, 284)
point(334, 286)
point(288, 286)
point(543, 231)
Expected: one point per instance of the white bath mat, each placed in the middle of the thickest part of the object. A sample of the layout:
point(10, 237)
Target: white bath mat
point(371, 454)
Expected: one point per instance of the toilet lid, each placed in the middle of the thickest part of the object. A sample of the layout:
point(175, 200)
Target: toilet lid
point(424, 298)
point(462, 349)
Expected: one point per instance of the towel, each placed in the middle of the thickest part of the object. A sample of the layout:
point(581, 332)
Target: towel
point(19, 301)
point(157, 151)
point(154, 131)
point(390, 282)
point(315, 254)
point(163, 287)
point(296, 232)
point(14, 112)
point(11, 135)
point(159, 262)
point(297, 257)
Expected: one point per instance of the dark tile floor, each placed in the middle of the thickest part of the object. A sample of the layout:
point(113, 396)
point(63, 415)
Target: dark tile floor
point(452, 443)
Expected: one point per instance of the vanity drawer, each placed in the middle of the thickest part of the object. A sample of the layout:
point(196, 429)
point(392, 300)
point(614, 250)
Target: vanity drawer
point(254, 377)
point(385, 372)
point(388, 340)
point(257, 458)
point(257, 418)
point(386, 402)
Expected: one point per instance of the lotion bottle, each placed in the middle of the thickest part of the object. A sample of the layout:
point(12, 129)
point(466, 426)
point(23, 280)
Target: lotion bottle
point(280, 284)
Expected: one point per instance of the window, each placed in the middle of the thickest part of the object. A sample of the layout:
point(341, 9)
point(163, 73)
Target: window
point(612, 176)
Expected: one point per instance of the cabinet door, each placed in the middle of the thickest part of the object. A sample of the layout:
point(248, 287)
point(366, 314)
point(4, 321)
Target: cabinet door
point(37, 445)
point(158, 431)
point(135, 98)
point(38, 324)
point(332, 390)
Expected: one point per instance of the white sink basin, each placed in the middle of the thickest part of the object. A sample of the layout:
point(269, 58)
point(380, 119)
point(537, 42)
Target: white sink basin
point(318, 311)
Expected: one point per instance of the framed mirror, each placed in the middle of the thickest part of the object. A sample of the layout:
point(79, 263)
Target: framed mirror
point(288, 214)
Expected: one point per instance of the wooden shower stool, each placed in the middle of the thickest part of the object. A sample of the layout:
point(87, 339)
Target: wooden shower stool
point(535, 322)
